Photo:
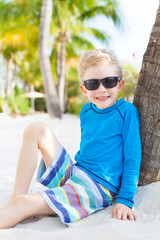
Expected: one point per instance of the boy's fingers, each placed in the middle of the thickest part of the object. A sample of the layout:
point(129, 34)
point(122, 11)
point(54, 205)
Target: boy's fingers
point(119, 215)
point(114, 213)
point(135, 216)
point(124, 217)
point(131, 217)
point(123, 213)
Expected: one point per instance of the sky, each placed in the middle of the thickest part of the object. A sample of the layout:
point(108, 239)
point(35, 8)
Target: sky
point(138, 20)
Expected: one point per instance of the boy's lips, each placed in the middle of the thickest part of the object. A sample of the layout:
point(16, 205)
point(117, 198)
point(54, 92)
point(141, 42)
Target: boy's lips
point(102, 98)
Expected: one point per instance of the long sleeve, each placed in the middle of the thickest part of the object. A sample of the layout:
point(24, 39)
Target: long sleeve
point(132, 157)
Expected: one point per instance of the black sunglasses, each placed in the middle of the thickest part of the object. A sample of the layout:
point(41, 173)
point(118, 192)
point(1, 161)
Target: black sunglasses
point(108, 82)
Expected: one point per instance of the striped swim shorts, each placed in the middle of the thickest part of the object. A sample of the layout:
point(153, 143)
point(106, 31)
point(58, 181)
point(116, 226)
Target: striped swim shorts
point(71, 192)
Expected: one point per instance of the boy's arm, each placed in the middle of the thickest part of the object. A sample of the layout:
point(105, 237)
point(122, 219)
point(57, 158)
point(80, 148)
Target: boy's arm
point(132, 158)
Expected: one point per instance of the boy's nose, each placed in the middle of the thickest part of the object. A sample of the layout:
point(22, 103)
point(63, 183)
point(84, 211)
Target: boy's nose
point(101, 88)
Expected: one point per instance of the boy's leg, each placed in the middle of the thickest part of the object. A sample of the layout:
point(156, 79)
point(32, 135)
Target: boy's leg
point(22, 207)
point(37, 136)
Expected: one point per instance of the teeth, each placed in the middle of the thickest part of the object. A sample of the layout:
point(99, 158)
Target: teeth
point(102, 97)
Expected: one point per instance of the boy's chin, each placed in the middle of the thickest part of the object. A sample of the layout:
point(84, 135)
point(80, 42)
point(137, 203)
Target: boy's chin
point(104, 105)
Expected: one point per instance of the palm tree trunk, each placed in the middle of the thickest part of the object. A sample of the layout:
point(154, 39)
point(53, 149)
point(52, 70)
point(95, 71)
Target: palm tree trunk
point(32, 99)
point(13, 80)
point(45, 65)
point(9, 75)
point(62, 76)
point(147, 101)
point(5, 105)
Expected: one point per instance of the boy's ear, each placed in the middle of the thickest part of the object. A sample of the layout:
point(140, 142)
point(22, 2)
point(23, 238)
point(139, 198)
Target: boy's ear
point(120, 86)
point(82, 87)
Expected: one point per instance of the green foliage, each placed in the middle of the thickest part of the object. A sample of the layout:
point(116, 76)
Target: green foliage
point(75, 104)
point(19, 35)
point(75, 97)
point(130, 81)
point(23, 105)
point(1, 101)
point(73, 85)
point(40, 105)
point(18, 91)
point(17, 103)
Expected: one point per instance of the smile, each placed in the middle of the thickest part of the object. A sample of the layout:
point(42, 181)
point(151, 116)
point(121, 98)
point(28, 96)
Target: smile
point(103, 98)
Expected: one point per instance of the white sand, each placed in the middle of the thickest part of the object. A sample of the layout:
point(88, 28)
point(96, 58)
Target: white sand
point(98, 226)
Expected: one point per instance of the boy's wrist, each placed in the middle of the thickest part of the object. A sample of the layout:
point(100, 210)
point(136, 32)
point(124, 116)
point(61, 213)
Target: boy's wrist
point(125, 201)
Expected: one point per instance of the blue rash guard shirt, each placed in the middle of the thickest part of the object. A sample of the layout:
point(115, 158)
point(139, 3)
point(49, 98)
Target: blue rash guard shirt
point(110, 148)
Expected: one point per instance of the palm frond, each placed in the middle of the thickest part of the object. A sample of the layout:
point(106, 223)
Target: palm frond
point(110, 11)
point(79, 44)
point(81, 41)
point(100, 35)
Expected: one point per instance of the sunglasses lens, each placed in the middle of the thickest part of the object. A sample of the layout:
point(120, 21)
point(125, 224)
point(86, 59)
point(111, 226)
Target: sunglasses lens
point(110, 82)
point(92, 84)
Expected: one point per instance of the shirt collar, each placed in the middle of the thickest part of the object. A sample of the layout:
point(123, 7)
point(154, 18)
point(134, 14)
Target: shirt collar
point(109, 109)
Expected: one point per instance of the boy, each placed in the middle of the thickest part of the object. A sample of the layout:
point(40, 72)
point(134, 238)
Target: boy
point(107, 164)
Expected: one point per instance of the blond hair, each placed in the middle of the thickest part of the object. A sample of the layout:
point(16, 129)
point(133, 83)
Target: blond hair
point(98, 56)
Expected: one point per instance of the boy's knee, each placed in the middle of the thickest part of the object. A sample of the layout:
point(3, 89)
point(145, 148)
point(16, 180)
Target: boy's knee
point(18, 201)
point(35, 130)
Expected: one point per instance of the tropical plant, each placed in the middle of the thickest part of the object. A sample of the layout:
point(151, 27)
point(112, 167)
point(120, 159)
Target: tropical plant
point(1, 102)
point(69, 24)
point(18, 34)
point(45, 65)
point(20, 19)
point(130, 77)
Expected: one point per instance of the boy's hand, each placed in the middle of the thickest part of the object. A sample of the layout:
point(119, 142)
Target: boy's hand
point(122, 212)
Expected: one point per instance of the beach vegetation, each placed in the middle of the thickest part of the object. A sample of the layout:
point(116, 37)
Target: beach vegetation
point(21, 34)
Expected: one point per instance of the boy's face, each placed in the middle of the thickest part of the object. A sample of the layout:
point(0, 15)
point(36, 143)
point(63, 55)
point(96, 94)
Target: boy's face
point(102, 97)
